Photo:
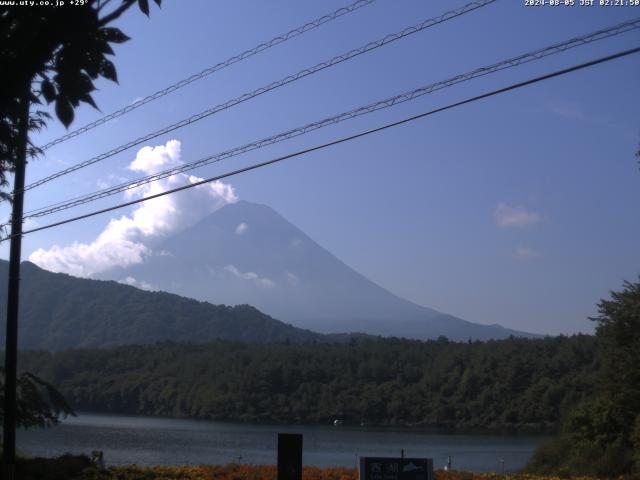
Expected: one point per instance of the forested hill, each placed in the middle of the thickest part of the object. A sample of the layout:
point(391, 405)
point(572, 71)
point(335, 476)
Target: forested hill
point(514, 383)
point(58, 311)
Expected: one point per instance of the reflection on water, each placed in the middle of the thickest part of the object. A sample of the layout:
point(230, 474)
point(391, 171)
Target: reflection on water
point(157, 441)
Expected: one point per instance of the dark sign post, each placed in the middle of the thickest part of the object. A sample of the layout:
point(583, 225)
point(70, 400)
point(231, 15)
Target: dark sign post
point(388, 468)
point(289, 456)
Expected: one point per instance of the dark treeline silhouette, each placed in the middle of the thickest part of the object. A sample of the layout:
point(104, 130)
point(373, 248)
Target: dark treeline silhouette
point(514, 383)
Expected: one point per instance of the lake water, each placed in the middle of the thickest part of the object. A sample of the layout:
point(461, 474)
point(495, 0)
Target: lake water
point(158, 441)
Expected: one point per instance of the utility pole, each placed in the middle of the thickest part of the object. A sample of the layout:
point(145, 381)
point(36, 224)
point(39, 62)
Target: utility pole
point(13, 294)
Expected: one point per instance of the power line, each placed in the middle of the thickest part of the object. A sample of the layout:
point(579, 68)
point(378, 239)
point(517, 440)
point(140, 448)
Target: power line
point(272, 86)
point(212, 69)
point(255, 166)
point(379, 105)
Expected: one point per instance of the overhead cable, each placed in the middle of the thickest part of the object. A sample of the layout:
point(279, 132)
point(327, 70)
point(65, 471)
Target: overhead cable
point(255, 166)
point(212, 69)
point(272, 86)
point(379, 105)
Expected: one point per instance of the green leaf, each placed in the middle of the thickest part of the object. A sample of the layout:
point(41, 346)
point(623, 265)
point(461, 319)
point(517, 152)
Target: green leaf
point(92, 64)
point(48, 90)
point(83, 83)
point(144, 6)
point(114, 35)
point(85, 97)
point(108, 70)
point(103, 47)
point(64, 110)
point(158, 2)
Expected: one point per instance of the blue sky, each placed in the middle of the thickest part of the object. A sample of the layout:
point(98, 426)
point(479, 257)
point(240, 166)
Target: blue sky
point(519, 210)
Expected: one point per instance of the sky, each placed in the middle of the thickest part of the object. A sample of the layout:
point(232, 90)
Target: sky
point(521, 209)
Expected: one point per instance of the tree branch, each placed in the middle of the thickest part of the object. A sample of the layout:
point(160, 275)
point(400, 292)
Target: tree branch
point(126, 5)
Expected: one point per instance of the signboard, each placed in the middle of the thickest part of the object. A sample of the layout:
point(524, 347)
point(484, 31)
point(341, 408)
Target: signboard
point(289, 456)
point(389, 468)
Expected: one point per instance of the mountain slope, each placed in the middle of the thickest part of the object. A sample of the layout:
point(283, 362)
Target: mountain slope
point(58, 311)
point(248, 253)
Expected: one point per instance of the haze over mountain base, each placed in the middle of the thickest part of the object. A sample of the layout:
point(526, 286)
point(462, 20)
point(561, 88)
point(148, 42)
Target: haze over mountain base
point(246, 253)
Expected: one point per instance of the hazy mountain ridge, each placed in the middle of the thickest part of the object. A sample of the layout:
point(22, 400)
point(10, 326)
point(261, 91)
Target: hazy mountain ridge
point(58, 311)
point(244, 254)
point(248, 253)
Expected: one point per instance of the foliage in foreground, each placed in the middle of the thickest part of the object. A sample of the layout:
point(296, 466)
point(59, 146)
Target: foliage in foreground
point(79, 468)
point(52, 55)
point(66, 467)
point(39, 403)
point(601, 436)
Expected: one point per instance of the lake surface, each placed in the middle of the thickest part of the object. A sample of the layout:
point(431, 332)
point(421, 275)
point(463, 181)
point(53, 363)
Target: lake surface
point(159, 441)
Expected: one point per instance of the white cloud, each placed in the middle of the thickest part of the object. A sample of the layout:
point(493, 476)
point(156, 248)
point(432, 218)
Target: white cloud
point(129, 239)
point(570, 110)
point(242, 228)
point(110, 180)
point(112, 248)
point(292, 278)
point(30, 223)
point(263, 282)
point(141, 284)
point(518, 216)
point(51, 159)
point(525, 253)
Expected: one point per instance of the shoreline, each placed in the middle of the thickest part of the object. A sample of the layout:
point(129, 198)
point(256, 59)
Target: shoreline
point(382, 427)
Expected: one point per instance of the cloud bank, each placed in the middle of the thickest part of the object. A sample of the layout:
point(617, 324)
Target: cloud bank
point(127, 240)
point(242, 228)
point(263, 282)
point(508, 216)
point(525, 253)
point(141, 284)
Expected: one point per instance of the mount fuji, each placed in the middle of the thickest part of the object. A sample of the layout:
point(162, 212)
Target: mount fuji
point(246, 253)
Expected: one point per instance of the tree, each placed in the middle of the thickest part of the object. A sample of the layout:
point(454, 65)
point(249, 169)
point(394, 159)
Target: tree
point(52, 54)
point(601, 436)
point(619, 333)
point(39, 403)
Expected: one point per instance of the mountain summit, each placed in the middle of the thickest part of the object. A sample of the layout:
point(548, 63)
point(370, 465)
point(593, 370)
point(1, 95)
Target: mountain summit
point(246, 253)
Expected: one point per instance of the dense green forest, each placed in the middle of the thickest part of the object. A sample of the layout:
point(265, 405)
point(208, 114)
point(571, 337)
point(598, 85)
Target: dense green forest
point(514, 383)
